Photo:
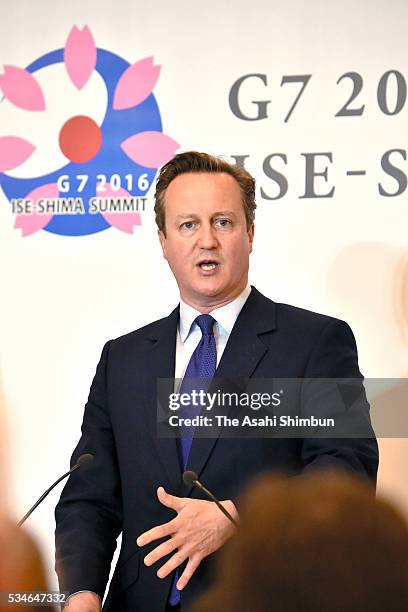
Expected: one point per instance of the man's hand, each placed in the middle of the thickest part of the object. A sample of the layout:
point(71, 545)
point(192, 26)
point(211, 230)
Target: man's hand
point(198, 530)
point(83, 602)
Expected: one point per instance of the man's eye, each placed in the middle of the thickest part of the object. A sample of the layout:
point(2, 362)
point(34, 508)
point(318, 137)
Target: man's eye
point(187, 225)
point(223, 222)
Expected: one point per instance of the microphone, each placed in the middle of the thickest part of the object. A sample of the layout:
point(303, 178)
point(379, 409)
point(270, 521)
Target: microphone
point(191, 479)
point(83, 460)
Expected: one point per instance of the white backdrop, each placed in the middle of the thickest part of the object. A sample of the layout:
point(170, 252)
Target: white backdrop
point(346, 255)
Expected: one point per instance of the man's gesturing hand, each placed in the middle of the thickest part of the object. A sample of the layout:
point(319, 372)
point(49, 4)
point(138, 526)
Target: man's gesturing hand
point(198, 530)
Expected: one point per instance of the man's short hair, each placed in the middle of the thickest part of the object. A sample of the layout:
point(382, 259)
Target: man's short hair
point(195, 162)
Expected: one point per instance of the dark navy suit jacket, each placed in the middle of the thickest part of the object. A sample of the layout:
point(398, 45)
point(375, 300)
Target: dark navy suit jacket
point(117, 492)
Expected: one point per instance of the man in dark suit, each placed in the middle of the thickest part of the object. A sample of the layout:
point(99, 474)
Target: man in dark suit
point(205, 212)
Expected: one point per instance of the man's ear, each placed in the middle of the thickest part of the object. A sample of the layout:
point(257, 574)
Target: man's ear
point(162, 239)
point(251, 236)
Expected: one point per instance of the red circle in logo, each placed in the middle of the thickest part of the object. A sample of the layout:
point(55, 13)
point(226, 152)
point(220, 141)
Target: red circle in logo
point(80, 139)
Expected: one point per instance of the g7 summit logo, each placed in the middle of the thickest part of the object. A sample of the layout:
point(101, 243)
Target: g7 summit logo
point(82, 139)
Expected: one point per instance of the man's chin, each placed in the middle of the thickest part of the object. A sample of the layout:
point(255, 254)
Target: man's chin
point(208, 295)
point(210, 289)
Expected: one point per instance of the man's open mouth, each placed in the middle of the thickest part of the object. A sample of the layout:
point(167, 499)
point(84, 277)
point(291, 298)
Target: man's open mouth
point(208, 265)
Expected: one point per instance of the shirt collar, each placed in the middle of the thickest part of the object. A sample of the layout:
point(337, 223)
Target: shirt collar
point(224, 315)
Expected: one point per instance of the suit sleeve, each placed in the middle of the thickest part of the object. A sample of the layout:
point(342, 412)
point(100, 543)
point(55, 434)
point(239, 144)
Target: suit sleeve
point(89, 513)
point(335, 357)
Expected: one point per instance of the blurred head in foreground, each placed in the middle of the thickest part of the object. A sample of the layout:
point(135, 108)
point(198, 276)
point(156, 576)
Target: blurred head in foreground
point(21, 568)
point(313, 544)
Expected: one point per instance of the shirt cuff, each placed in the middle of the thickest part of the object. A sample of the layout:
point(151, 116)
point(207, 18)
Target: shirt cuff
point(83, 591)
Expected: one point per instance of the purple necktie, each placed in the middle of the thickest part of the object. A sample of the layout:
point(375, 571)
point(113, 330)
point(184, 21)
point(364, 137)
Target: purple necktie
point(200, 370)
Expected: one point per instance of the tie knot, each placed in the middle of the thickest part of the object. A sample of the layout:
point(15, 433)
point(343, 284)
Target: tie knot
point(206, 323)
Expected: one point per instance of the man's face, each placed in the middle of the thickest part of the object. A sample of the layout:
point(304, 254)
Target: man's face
point(207, 243)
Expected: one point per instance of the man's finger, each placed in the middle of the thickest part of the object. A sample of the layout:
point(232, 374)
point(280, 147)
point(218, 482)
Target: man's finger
point(161, 531)
point(190, 568)
point(177, 559)
point(160, 551)
point(171, 501)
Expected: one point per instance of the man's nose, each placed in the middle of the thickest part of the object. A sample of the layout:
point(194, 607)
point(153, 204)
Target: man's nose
point(207, 238)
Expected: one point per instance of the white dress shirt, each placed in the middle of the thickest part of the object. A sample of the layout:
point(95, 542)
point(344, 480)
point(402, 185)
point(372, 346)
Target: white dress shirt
point(189, 334)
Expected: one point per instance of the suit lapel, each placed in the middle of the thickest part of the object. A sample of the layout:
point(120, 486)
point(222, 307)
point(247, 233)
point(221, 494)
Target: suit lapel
point(243, 352)
point(160, 364)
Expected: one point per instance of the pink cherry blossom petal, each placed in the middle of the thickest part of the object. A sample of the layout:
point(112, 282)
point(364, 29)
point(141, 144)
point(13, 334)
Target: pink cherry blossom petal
point(31, 223)
point(80, 56)
point(22, 89)
point(136, 84)
point(13, 152)
point(150, 149)
point(122, 221)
